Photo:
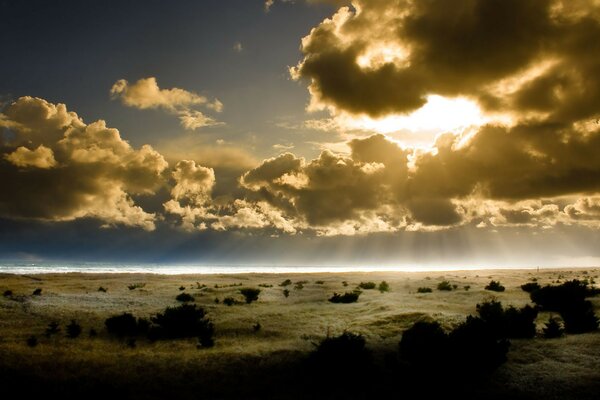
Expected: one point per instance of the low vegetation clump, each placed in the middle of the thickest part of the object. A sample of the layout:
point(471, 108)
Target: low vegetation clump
point(184, 297)
point(265, 285)
point(250, 294)
point(348, 297)
point(37, 292)
point(530, 287)
point(136, 286)
point(286, 293)
point(319, 282)
point(383, 287)
point(126, 325)
point(183, 321)
point(569, 300)
point(52, 329)
point(73, 330)
point(553, 329)
point(182, 288)
point(444, 285)
point(341, 357)
point(495, 286)
point(102, 289)
point(287, 282)
point(424, 290)
point(299, 286)
point(367, 285)
point(229, 301)
point(7, 293)
point(425, 345)
point(510, 323)
point(467, 287)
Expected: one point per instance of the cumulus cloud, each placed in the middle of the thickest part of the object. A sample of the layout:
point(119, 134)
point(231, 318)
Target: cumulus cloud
point(525, 57)
point(146, 94)
point(57, 168)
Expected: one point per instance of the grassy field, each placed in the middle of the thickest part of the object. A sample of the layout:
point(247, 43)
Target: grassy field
point(269, 362)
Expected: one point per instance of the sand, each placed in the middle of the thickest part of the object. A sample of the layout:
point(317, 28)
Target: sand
point(290, 326)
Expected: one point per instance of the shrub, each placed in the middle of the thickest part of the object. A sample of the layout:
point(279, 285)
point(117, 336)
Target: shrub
point(93, 333)
point(286, 293)
point(495, 286)
point(73, 330)
point(299, 286)
point(126, 325)
point(32, 341)
point(37, 292)
point(348, 297)
point(342, 356)
point(52, 329)
point(383, 287)
point(287, 282)
point(367, 285)
point(424, 290)
point(217, 301)
point(510, 323)
point(444, 285)
point(184, 297)
point(136, 286)
point(553, 329)
point(250, 294)
point(265, 285)
point(345, 283)
point(7, 293)
point(530, 287)
point(229, 301)
point(102, 289)
point(256, 327)
point(183, 321)
point(319, 282)
point(425, 345)
point(182, 288)
point(467, 287)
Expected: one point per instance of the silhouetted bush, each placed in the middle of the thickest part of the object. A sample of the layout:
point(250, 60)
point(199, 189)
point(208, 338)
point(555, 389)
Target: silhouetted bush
point(345, 283)
point(344, 356)
point(467, 287)
point(37, 292)
point(229, 301)
point(383, 287)
point(286, 292)
point(444, 285)
point(52, 329)
point(265, 285)
point(568, 299)
point(32, 341)
point(319, 282)
point(530, 287)
point(250, 294)
point(424, 290)
point(256, 327)
point(553, 329)
point(182, 288)
point(495, 286)
point(126, 325)
point(183, 321)
point(7, 293)
point(425, 345)
point(287, 282)
point(93, 333)
point(348, 297)
point(510, 323)
point(367, 285)
point(299, 285)
point(73, 330)
point(184, 297)
point(102, 289)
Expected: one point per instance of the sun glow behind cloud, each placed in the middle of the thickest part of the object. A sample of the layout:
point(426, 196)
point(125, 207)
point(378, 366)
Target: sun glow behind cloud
point(439, 114)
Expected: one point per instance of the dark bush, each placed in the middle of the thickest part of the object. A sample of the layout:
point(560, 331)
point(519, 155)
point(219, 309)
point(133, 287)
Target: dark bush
point(93, 333)
point(136, 286)
point(52, 329)
point(265, 285)
point(183, 321)
point(184, 297)
point(250, 294)
point(229, 301)
point(344, 356)
point(425, 345)
point(287, 282)
point(256, 327)
point(348, 297)
point(217, 301)
point(286, 292)
point(553, 329)
point(345, 283)
point(510, 323)
point(102, 289)
point(126, 325)
point(530, 287)
point(467, 287)
point(383, 287)
point(182, 288)
point(495, 286)
point(367, 285)
point(8, 293)
point(568, 299)
point(73, 330)
point(299, 286)
point(37, 292)
point(319, 282)
point(424, 290)
point(444, 285)
point(32, 341)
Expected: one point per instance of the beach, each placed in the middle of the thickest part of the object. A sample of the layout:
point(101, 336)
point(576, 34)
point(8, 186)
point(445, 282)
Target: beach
point(257, 345)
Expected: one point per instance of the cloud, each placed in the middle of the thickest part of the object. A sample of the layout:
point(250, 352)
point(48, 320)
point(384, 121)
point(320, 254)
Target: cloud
point(55, 167)
point(146, 94)
point(522, 57)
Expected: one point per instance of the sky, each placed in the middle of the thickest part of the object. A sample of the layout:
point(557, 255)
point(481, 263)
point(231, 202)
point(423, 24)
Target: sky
point(307, 132)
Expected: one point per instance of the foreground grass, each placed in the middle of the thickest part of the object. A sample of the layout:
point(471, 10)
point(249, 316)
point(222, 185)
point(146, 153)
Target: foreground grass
point(269, 363)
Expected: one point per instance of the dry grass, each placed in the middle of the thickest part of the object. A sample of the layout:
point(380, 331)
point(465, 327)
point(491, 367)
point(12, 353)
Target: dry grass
point(289, 325)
